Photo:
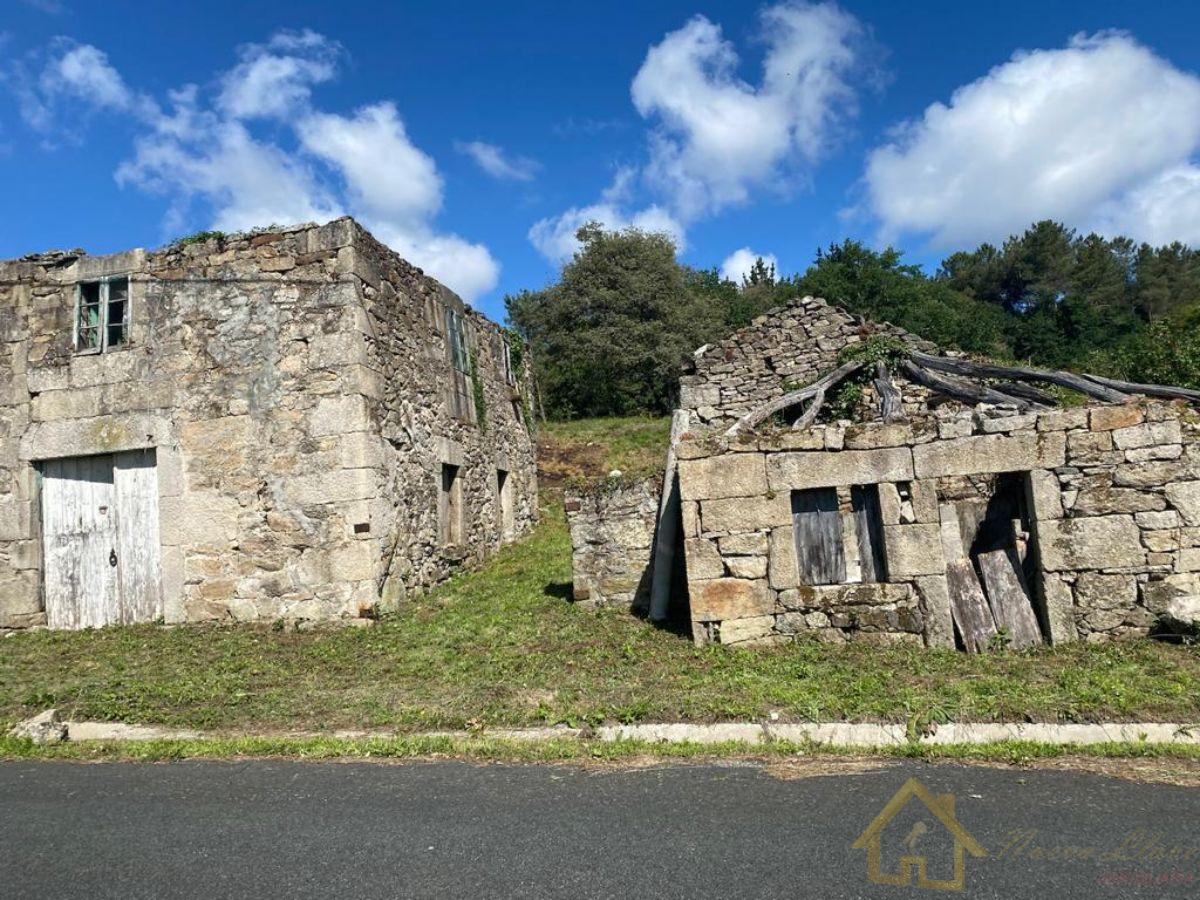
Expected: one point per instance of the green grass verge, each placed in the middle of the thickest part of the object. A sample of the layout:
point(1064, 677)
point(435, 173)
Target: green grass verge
point(502, 646)
point(484, 749)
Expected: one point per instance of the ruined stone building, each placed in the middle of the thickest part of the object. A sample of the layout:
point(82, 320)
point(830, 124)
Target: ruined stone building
point(294, 425)
point(923, 507)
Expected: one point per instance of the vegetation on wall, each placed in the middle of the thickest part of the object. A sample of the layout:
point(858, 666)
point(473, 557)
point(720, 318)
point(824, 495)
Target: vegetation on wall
point(477, 390)
point(609, 335)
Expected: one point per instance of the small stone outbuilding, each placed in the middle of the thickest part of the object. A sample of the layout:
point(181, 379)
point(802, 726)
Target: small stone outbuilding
point(935, 511)
point(292, 425)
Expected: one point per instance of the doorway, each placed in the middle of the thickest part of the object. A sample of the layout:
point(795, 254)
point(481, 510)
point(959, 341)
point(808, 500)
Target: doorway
point(100, 539)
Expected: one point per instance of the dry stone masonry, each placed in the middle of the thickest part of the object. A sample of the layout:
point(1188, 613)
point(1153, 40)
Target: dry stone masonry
point(612, 531)
point(294, 425)
point(1109, 498)
point(949, 524)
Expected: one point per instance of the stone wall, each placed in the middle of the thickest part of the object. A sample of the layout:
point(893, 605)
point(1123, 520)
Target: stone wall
point(612, 526)
point(1112, 495)
point(792, 345)
point(293, 386)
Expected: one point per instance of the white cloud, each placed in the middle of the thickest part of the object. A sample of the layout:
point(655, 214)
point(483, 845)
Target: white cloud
point(75, 72)
point(248, 183)
point(718, 137)
point(714, 138)
point(554, 237)
point(276, 78)
point(1098, 134)
point(386, 176)
point(364, 164)
point(497, 163)
point(737, 264)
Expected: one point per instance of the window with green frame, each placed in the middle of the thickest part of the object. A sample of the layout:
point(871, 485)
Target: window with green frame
point(456, 341)
point(101, 314)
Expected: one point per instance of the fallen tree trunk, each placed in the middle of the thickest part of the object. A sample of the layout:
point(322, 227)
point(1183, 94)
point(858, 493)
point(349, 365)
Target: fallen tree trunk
point(822, 384)
point(1150, 390)
point(810, 414)
point(958, 390)
point(889, 397)
point(1019, 373)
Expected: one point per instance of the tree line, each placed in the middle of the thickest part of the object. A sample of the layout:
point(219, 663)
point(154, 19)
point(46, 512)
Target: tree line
point(609, 335)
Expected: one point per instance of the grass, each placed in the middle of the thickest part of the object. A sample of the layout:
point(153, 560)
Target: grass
point(485, 749)
point(591, 448)
point(503, 646)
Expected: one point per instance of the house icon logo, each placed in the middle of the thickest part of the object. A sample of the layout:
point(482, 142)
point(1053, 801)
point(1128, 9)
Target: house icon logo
point(880, 843)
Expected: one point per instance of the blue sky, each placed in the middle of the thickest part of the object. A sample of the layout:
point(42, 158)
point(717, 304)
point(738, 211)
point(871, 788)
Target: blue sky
point(473, 136)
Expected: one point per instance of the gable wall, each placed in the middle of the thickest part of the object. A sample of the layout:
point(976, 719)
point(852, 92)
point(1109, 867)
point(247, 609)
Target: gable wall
point(795, 343)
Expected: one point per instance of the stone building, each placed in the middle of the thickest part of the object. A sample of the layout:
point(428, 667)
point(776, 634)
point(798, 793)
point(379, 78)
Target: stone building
point(971, 514)
point(292, 425)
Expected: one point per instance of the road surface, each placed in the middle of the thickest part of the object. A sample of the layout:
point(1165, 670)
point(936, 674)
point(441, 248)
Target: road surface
point(267, 829)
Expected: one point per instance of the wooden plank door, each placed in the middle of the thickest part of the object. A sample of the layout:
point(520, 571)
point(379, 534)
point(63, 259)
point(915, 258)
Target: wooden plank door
point(817, 524)
point(864, 500)
point(138, 568)
point(79, 539)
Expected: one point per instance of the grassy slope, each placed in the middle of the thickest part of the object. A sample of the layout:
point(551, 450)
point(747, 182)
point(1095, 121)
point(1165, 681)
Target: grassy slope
point(503, 646)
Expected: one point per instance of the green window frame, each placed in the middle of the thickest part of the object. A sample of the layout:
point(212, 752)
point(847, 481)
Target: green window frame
point(455, 339)
point(102, 309)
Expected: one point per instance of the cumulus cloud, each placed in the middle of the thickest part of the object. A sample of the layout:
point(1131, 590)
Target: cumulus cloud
point(277, 77)
point(1099, 134)
point(737, 264)
point(554, 237)
point(715, 139)
point(497, 163)
point(718, 137)
point(74, 73)
point(364, 164)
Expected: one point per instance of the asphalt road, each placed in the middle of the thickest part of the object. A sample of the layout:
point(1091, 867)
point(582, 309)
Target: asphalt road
point(294, 829)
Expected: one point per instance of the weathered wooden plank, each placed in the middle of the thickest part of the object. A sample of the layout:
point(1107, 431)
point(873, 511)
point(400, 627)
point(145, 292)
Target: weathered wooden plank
point(868, 522)
point(1008, 596)
point(79, 535)
point(968, 606)
point(139, 573)
point(817, 525)
point(666, 536)
point(965, 391)
point(956, 366)
point(1150, 390)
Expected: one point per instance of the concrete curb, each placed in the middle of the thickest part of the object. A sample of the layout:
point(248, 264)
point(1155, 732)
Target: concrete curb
point(830, 734)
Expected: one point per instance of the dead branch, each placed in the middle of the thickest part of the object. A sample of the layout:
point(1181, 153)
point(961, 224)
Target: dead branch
point(822, 384)
point(889, 397)
point(1019, 373)
point(810, 414)
point(956, 389)
point(1150, 390)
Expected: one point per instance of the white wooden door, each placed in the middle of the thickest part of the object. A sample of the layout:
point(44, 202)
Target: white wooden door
point(138, 570)
point(79, 528)
point(100, 540)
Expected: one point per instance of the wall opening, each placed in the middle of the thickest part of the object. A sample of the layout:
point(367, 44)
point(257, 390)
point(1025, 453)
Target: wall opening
point(451, 506)
point(991, 563)
point(504, 500)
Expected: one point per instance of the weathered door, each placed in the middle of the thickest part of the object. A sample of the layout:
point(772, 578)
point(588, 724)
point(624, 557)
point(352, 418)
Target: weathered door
point(817, 525)
point(100, 540)
point(138, 570)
